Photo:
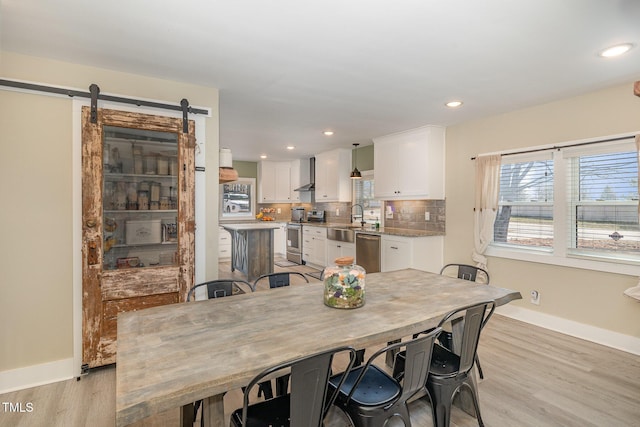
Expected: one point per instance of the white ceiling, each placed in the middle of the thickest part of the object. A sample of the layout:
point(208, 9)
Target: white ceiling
point(289, 69)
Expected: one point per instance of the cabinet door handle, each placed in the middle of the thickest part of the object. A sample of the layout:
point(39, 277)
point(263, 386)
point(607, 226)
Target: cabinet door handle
point(394, 247)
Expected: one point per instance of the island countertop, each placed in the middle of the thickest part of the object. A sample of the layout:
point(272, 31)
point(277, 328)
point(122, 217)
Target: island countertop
point(266, 225)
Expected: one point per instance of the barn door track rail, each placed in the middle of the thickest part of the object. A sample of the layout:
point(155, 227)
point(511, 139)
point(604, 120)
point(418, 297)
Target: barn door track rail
point(94, 95)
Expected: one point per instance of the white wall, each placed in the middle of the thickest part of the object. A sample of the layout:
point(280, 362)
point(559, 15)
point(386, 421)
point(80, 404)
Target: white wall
point(588, 297)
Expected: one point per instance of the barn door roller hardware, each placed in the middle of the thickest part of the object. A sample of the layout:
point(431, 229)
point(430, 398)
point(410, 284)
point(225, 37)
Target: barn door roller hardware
point(94, 90)
point(94, 95)
point(185, 110)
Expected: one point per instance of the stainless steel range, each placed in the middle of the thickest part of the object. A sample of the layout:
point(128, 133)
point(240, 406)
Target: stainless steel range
point(294, 234)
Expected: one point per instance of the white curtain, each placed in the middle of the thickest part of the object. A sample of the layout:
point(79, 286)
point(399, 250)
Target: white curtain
point(634, 291)
point(486, 205)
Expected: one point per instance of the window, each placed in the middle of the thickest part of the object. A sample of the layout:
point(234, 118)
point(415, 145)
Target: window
point(525, 214)
point(238, 199)
point(570, 205)
point(363, 196)
point(603, 204)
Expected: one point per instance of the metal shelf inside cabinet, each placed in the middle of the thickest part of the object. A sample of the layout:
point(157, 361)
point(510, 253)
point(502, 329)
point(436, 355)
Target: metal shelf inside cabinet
point(143, 245)
point(138, 211)
point(118, 176)
point(145, 143)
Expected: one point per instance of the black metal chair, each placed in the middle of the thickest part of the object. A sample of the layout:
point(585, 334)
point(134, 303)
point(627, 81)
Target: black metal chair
point(309, 400)
point(473, 274)
point(280, 279)
point(216, 289)
point(449, 372)
point(277, 280)
point(371, 397)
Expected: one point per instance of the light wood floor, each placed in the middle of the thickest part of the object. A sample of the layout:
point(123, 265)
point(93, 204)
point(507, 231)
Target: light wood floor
point(533, 377)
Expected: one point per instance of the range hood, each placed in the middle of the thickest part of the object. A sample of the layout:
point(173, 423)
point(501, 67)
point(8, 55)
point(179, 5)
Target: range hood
point(311, 186)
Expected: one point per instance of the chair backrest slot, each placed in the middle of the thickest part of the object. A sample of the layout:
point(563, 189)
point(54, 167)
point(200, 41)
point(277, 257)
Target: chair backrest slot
point(279, 279)
point(466, 272)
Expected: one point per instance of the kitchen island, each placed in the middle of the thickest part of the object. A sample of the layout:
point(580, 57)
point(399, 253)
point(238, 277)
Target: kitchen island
point(251, 248)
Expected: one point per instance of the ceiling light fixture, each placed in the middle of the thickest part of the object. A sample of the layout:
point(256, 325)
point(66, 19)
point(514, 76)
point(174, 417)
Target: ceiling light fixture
point(328, 132)
point(355, 173)
point(616, 50)
point(453, 104)
point(290, 147)
point(263, 156)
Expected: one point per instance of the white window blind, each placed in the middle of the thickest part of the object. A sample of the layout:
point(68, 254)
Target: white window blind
point(525, 215)
point(603, 203)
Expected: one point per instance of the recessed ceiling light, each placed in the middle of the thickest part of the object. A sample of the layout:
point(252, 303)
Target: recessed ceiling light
point(263, 156)
point(290, 147)
point(616, 50)
point(453, 104)
point(328, 132)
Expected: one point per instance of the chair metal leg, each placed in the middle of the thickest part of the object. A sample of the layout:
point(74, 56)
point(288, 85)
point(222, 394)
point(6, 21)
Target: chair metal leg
point(476, 404)
point(479, 367)
point(359, 358)
point(441, 395)
point(282, 385)
point(266, 389)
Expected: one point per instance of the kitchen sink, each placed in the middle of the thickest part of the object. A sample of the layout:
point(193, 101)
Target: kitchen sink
point(341, 234)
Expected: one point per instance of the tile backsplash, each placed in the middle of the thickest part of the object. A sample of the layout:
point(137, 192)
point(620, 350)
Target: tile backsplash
point(407, 214)
point(410, 214)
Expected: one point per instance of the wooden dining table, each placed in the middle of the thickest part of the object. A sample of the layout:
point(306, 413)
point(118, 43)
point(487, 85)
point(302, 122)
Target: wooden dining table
point(173, 355)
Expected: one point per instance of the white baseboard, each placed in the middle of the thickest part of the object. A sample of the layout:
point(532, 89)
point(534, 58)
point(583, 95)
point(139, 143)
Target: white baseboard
point(575, 329)
point(35, 375)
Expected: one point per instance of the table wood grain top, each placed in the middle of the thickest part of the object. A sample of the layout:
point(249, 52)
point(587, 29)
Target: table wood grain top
point(173, 355)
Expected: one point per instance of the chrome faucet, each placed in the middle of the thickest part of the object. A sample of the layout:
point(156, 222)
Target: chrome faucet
point(362, 221)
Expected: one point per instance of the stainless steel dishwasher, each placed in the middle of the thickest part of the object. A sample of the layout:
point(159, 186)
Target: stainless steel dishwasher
point(368, 252)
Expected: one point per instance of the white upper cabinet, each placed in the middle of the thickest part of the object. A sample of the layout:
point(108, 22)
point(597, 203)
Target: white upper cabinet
point(410, 164)
point(274, 182)
point(332, 176)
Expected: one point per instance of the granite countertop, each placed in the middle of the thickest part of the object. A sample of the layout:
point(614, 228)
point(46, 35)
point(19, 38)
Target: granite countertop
point(389, 231)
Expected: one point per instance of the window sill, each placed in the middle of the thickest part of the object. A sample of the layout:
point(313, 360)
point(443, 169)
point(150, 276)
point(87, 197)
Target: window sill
point(629, 268)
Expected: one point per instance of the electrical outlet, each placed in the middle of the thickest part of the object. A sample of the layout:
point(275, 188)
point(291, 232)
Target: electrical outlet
point(337, 212)
point(279, 210)
point(535, 297)
point(427, 216)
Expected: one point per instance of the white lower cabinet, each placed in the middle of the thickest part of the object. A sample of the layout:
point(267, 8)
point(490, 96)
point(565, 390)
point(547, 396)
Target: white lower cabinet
point(396, 253)
point(224, 244)
point(422, 253)
point(280, 239)
point(314, 246)
point(339, 250)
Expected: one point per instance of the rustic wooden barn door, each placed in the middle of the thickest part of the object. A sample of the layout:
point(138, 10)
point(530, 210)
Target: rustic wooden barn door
point(138, 228)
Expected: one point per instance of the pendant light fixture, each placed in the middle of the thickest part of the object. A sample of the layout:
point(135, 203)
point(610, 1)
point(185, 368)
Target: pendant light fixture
point(355, 173)
point(226, 171)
